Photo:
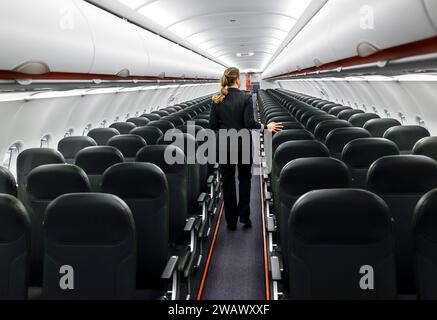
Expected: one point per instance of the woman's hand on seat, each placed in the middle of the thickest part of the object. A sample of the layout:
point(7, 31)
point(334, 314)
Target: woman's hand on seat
point(275, 127)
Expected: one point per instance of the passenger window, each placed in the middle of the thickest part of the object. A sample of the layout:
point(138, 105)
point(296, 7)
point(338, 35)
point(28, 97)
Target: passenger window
point(87, 129)
point(10, 159)
point(117, 119)
point(387, 113)
point(137, 114)
point(402, 118)
point(128, 116)
point(45, 142)
point(69, 133)
point(420, 122)
point(375, 110)
point(103, 124)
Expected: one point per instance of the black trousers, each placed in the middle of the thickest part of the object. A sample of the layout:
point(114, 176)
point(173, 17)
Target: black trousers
point(232, 209)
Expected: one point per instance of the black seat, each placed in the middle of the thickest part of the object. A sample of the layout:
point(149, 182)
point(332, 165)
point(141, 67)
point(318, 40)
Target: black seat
point(150, 134)
point(314, 121)
point(290, 135)
point(360, 154)
point(143, 187)
point(424, 233)
point(377, 127)
point(161, 113)
point(311, 113)
point(299, 177)
point(151, 116)
point(289, 151)
point(324, 128)
point(92, 235)
point(14, 248)
point(70, 146)
point(128, 145)
point(163, 125)
point(329, 107)
point(176, 120)
point(46, 183)
point(188, 144)
point(95, 160)
point(359, 120)
point(202, 123)
point(30, 159)
point(406, 136)
point(102, 135)
point(336, 111)
point(348, 113)
point(401, 181)
point(337, 237)
point(7, 182)
point(123, 127)
point(426, 147)
point(138, 121)
point(177, 177)
point(339, 138)
point(281, 119)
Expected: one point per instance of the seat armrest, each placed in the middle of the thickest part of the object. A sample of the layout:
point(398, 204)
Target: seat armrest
point(271, 225)
point(170, 268)
point(202, 198)
point(210, 180)
point(191, 224)
point(276, 268)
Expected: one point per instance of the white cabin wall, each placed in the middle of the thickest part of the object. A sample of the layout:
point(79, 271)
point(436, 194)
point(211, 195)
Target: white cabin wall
point(26, 122)
point(410, 96)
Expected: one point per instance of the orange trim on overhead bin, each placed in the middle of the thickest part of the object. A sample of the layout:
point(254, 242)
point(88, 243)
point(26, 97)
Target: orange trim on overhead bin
point(248, 82)
point(417, 48)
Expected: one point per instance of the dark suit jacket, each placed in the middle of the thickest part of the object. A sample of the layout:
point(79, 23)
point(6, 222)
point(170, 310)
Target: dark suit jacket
point(235, 112)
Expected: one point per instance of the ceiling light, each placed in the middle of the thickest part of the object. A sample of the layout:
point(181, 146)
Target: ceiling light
point(245, 54)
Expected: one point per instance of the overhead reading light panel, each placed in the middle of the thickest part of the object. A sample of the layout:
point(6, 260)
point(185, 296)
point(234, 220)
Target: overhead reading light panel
point(219, 28)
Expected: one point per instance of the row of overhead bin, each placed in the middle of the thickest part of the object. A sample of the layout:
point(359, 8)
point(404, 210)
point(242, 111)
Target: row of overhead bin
point(344, 29)
point(74, 36)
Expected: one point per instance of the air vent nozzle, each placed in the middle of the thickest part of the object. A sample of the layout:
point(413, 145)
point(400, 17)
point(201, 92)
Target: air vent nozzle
point(365, 49)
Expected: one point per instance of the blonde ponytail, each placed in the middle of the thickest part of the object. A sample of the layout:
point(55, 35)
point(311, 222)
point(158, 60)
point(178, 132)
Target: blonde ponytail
point(228, 79)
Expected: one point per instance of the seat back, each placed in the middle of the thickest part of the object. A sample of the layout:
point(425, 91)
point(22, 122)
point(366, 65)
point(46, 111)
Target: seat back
point(324, 128)
point(7, 182)
point(91, 236)
point(425, 249)
point(14, 248)
point(348, 113)
point(95, 160)
point(359, 120)
point(339, 138)
point(401, 181)
point(123, 127)
point(143, 187)
point(336, 111)
point(314, 121)
point(128, 145)
point(162, 125)
point(406, 136)
point(188, 144)
point(138, 121)
point(290, 135)
point(377, 127)
point(150, 134)
point(102, 135)
point(177, 178)
point(46, 183)
point(70, 146)
point(151, 116)
point(426, 147)
point(30, 159)
point(360, 154)
point(337, 237)
point(299, 177)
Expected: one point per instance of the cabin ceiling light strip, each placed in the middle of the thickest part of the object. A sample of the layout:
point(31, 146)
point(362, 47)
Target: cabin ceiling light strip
point(213, 40)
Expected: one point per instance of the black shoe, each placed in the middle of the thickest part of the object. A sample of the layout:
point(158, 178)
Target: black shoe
point(232, 227)
point(246, 222)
